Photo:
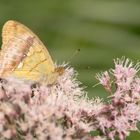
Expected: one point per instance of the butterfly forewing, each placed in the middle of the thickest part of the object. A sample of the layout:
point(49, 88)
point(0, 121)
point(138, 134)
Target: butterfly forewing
point(23, 54)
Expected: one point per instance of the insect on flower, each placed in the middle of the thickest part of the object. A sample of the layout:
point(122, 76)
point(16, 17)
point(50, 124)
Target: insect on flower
point(24, 56)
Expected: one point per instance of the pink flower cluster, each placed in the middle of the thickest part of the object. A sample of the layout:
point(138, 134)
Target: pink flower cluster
point(122, 113)
point(62, 111)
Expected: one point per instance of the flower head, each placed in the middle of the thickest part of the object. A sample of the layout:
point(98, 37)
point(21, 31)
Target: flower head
point(63, 110)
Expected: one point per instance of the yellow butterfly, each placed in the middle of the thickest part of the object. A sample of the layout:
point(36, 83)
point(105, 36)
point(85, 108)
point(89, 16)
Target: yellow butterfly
point(23, 55)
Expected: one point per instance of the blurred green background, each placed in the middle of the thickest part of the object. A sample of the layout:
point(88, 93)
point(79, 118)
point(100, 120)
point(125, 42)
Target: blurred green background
point(101, 29)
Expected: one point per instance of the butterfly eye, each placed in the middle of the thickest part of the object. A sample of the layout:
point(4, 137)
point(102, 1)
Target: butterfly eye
point(60, 70)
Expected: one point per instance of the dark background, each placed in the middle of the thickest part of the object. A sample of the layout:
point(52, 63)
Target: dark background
point(101, 29)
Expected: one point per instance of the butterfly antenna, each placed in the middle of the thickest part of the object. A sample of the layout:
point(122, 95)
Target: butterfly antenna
point(74, 54)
